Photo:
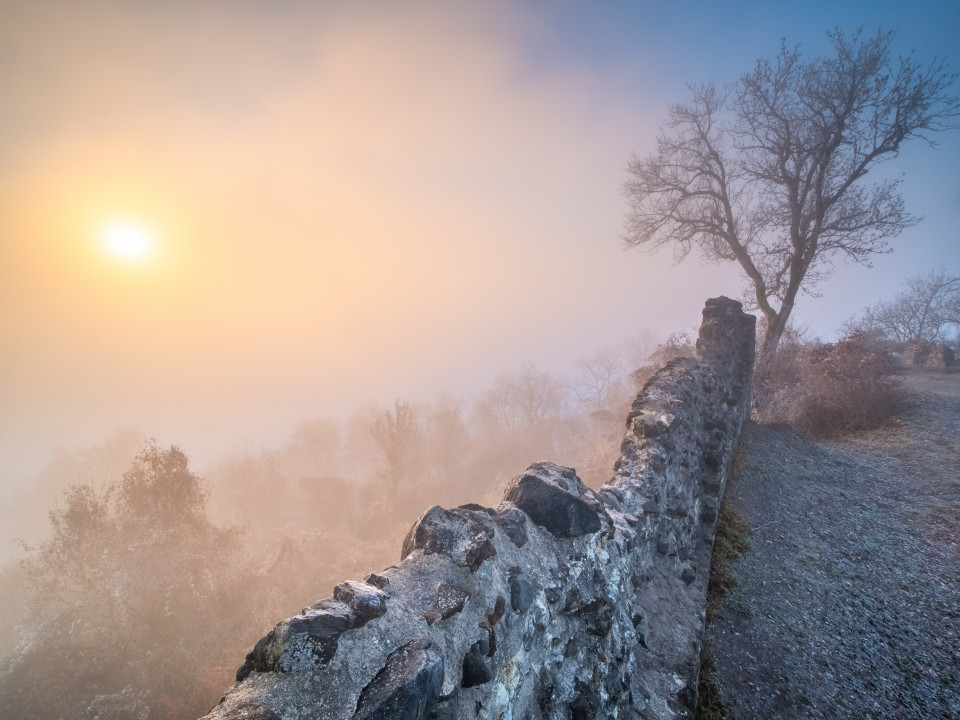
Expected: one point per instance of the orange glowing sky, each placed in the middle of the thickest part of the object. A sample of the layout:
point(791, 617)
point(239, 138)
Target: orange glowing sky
point(351, 201)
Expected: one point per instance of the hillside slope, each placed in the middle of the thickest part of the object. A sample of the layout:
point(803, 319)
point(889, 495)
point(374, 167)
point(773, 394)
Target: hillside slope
point(848, 603)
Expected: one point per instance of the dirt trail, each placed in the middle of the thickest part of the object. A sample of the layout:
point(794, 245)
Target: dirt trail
point(848, 603)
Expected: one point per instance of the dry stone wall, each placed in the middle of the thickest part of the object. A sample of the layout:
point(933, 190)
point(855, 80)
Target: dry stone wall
point(560, 603)
point(928, 355)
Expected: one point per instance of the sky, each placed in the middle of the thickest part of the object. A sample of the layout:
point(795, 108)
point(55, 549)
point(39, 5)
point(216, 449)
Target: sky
point(351, 202)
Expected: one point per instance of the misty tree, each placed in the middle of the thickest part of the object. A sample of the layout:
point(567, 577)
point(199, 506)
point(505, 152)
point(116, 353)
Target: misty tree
point(600, 383)
point(525, 399)
point(769, 172)
point(395, 435)
point(448, 436)
point(313, 450)
point(928, 310)
point(134, 603)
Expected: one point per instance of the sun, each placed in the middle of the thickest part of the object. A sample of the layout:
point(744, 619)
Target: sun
point(128, 241)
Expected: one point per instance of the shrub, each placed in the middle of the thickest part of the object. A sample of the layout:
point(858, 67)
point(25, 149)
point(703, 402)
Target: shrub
point(838, 388)
point(679, 344)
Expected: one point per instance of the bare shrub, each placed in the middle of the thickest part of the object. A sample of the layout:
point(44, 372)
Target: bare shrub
point(679, 344)
point(834, 388)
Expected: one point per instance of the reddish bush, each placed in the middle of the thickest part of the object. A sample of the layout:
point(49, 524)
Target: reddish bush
point(832, 389)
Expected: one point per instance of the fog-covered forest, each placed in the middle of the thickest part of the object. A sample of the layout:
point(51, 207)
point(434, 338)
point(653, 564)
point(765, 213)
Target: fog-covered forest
point(150, 579)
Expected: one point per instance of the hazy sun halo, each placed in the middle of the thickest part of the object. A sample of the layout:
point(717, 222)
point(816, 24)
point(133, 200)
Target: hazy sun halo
point(129, 241)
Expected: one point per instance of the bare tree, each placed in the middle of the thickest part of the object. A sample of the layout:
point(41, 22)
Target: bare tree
point(769, 172)
point(926, 310)
point(525, 399)
point(395, 435)
point(449, 438)
point(600, 383)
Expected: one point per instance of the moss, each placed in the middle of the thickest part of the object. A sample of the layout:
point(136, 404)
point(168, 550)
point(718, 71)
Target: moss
point(709, 704)
point(730, 543)
point(731, 537)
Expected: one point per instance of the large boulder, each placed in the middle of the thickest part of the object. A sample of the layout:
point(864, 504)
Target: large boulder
point(556, 500)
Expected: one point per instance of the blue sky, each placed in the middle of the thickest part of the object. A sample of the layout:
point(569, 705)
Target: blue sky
point(357, 201)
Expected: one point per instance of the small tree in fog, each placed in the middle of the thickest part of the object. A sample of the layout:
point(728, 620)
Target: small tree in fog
point(525, 399)
point(313, 450)
point(132, 599)
point(928, 310)
point(448, 436)
point(600, 384)
point(395, 435)
point(770, 172)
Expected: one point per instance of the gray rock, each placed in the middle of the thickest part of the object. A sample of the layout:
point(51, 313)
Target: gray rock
point(408, 685)
point(476, 668)
point(450, 601)
point(366, 601)
point(521, 591)
point(311, 638)
point(451, 533)
point(251, 711)
point(513, 522)
point(556, 500)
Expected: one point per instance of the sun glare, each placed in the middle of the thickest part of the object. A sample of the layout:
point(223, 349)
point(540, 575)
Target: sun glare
point(128, 241)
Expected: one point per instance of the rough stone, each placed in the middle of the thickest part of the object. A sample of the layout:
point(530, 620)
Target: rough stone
point(476, 669)
point(366, 601)
point(380, 581)
point(585, 703)
point(408, 686)
point(556, 500)
point(521, 591)
point(513, 522)
point(252, 711)
point(451, 533)
point(598, 616)
point(260, 659)
point(450, 601)
point(312, 638)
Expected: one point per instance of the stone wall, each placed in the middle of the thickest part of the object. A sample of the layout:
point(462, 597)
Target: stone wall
point(927, 355)
point(560, 603)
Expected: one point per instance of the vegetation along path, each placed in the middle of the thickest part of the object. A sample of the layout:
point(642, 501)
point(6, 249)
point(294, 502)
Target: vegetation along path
point(848, 601)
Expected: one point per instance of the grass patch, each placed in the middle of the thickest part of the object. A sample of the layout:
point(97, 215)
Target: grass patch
point(731, 537)
point(730, 543)
point(709, 704)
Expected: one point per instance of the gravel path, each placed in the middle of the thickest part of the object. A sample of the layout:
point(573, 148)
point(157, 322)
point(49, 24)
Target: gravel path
point(848, 603)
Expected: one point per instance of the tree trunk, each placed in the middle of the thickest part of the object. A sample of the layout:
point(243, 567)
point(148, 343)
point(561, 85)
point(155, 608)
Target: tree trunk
point(776, 324)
